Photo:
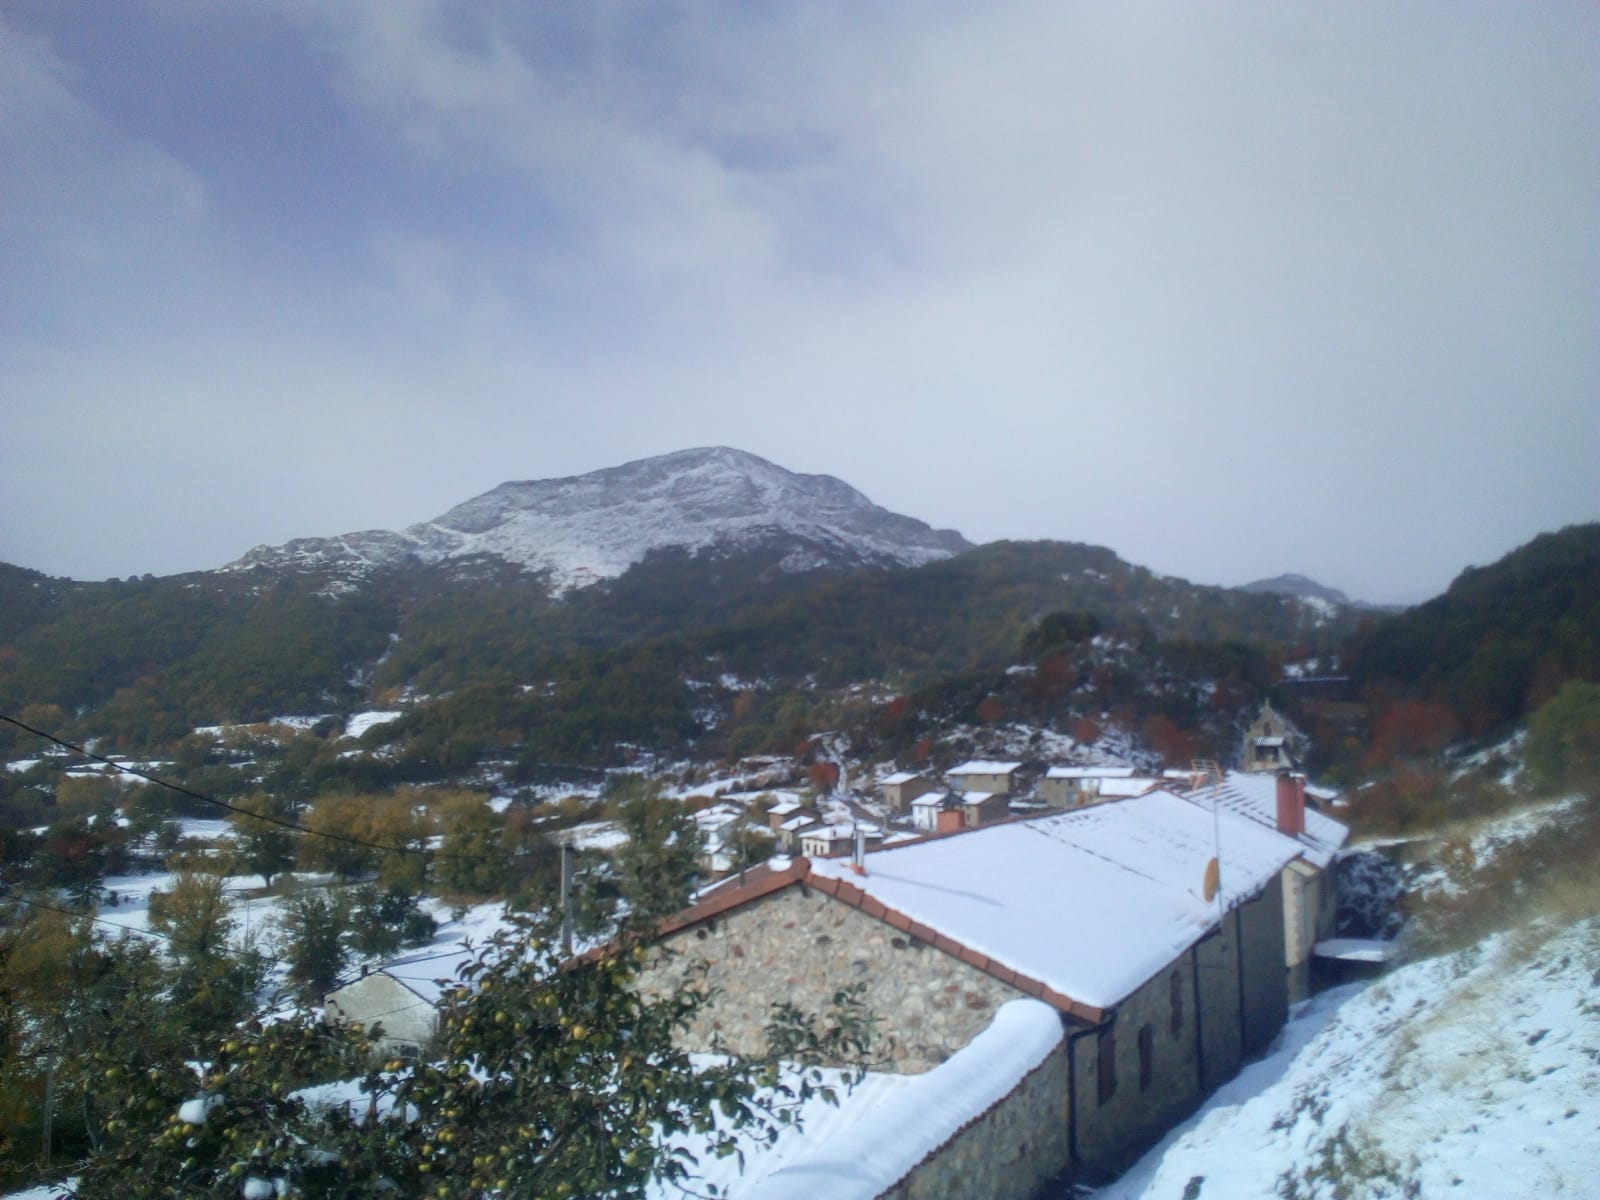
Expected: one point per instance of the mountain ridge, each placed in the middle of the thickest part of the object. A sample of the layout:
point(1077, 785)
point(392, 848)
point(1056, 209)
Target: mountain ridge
point(577, 530)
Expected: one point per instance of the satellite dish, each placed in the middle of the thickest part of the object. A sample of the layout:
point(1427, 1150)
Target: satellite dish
point(1213, 880)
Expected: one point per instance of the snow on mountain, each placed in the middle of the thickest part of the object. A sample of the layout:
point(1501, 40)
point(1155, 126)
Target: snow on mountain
point(591, 527)
point(1324, 600)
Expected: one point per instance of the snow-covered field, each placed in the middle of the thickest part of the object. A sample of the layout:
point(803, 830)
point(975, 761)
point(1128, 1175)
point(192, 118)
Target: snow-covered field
point(1475, 1075)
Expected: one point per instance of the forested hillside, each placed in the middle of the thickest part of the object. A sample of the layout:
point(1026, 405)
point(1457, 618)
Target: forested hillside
point(146, 660)
point(1500, 641)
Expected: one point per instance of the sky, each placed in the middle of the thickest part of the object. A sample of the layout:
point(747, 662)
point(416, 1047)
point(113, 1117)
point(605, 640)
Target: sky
point(1234, 290)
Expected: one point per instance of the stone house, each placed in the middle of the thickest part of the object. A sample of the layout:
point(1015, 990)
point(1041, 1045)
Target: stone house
point(900, 789)
point(996, 778)
point(1165, 972)
point(1271, 744)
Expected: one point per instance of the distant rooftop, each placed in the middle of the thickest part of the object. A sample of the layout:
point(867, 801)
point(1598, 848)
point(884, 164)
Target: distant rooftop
point(982, 767)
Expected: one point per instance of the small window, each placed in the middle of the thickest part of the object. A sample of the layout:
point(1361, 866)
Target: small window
point(1147, 1049)
point(1106, 1043)
point(1176, 989)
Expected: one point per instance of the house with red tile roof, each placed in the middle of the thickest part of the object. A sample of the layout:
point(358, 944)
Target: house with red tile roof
point(1152, 927)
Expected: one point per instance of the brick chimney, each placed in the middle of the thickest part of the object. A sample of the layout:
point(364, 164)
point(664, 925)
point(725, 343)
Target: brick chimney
point(1291, 803)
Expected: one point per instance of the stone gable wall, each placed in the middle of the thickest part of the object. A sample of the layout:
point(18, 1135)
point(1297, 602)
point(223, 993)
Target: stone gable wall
point(1009, 1153)
point(801, 946)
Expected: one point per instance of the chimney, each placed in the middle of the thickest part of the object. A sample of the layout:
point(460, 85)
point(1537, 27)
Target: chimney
point(858, 850)
point(1291, 803)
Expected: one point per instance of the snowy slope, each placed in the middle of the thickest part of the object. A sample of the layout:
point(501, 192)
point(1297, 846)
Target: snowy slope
point(1472, 1075)
point(595, 526)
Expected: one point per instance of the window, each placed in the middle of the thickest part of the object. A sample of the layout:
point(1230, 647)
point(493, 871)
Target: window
point(1106, 1044)
point(1147, 1047)
point(1176, 989)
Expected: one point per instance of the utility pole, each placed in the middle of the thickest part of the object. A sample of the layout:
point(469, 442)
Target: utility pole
point(49, 1101)
point(566, 898)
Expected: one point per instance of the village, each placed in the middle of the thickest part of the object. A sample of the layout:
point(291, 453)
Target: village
point(1061, 962)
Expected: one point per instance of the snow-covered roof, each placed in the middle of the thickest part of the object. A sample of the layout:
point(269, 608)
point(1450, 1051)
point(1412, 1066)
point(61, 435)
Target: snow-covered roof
point(1032, 895)
point(795, 824)
point(899, 777)
point(1089, 772)
point(428, 973)
point(931, 800)
point(828, 833)
point(717, 816)
point(978, 797)
point(784, 807)
point(982, 767)
point(1115, 788)
point(1269, 741)
point(1256, 796)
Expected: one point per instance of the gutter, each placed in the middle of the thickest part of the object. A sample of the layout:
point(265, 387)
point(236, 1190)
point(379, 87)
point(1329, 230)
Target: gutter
point(1238, 958)
point(1072, 1084)
point(1199, 1024)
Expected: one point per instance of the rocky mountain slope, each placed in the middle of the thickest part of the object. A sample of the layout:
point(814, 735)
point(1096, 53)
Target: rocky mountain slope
point(585, 528)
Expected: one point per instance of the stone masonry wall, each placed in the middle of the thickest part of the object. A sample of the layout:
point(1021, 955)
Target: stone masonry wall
point(801, 946)
point(1008, 1153)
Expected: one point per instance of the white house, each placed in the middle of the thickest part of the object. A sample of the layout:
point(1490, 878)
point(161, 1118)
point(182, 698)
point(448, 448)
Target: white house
point(402, 996)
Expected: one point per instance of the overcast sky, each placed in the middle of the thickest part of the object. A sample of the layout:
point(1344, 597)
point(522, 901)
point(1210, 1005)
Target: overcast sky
point(1232, 289)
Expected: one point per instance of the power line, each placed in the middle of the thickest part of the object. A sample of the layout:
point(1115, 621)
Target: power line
point(84, 916)
point(292, 826)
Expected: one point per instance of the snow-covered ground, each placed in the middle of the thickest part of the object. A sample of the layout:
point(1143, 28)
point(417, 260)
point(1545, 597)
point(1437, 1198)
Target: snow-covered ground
point(360, 722)
point(1473, 1075)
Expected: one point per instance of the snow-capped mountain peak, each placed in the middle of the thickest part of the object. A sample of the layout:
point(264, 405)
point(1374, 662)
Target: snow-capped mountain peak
point(589, 527)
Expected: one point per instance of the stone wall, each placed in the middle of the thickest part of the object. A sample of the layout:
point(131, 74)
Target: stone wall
point(801, 946)
point(1181, 1035)
point(1132, 1105)
point(1009, 1153)
point(1259, 928)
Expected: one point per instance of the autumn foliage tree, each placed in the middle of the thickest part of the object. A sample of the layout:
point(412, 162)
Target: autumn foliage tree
point(554, 1078)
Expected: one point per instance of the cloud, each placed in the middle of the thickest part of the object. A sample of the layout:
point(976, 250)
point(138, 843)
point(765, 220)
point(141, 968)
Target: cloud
point(1231, 291)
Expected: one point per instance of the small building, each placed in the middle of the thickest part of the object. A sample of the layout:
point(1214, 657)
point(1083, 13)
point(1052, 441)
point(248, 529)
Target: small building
point(837, 841)
point(925, 810)
point(978, 775)
point(402, 996)
point(982, 808)
point(790, 831)
point(1071, 787)
point(784, 811)
point(900, 789)
point(1271, 744)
